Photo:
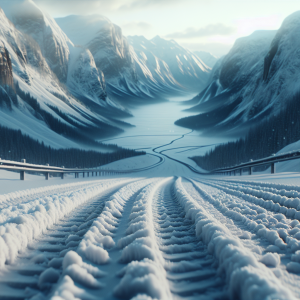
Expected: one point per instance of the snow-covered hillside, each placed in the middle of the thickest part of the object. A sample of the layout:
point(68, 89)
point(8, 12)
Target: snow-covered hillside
point(255, 79)
point(236, 92)
point(209, 59)
point(135, 65)
point(46, 65)
point(169, 58)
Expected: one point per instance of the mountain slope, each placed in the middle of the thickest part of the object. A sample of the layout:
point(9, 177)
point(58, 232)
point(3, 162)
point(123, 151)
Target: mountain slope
point(29, 19)
point(256, 79)
point(236, 93)
point(209, 59)
point(179, 63)
point(40, 100)
point(129, 68)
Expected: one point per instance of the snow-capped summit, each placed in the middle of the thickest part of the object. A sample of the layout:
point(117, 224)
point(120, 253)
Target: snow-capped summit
point(185, 67)
point(104, 40)
point(37, 98)
point(135, 65)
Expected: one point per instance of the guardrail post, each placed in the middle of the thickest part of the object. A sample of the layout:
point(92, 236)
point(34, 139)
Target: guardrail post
point(83, 174)
point(22, 175)
point(62, 175)
point(47, 175)
point(273, 168)
point(88, 174)
point(250, 170)
point(241, 172)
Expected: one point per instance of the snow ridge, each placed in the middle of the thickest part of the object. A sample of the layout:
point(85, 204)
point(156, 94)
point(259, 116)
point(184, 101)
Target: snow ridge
point(235, 261)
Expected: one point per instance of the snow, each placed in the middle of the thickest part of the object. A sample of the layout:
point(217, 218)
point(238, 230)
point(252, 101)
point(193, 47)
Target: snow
point(230, 252)
point(133, 163)
point(158, 231)
point(123, 239)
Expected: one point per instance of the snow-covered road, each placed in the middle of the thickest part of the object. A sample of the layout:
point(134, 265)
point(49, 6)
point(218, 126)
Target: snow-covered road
point(152, 237)
point(164, 232)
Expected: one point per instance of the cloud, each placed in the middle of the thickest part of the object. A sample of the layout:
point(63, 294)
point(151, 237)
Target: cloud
point(67, 7)
point(63, 7)
point(137, 26)
point(209, 30)
point(137, 4)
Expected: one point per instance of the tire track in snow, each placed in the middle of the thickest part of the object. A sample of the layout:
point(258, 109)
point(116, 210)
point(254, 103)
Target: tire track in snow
point(190, 269)
point(281, 198)
point(24, 278)
point(100, 259)
point(271, 215)
point(235, 261)
point(257, 237)
point(25, 196)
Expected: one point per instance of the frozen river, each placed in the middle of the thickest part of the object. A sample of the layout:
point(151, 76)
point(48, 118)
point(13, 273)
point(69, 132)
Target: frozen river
point(154, 127)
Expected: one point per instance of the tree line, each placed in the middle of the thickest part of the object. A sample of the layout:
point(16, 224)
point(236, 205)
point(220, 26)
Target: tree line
point(261, 141)
point(14, 145)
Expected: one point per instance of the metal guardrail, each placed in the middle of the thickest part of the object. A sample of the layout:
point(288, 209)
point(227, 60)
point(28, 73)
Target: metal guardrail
point(24, 167)
point(271, 160)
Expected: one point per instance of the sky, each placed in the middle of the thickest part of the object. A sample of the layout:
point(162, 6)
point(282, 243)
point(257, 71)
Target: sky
point(199, 25)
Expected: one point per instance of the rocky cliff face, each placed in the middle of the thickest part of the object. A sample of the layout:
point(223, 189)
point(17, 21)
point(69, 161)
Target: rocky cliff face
point(84, 77)
point(111, 51)
point(234, 94)
point(6, 72)
point(29, 19)
point(23, 60)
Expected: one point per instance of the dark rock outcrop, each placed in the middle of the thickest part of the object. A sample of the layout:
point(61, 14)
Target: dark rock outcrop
point(6, 73)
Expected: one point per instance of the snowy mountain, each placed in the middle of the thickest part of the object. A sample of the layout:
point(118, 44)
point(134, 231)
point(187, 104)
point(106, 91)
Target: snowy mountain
point(53, 43)
point(78, 75)
point(209, 59)
point(33, 98)
point(255, 79)
point(236, 92)
point(135, 65)
point(175, 61)
point(107, 45)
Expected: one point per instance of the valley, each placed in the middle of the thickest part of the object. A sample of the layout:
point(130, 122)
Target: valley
point(138, 126)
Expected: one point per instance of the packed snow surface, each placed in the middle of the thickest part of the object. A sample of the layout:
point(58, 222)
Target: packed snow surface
point(160, 233)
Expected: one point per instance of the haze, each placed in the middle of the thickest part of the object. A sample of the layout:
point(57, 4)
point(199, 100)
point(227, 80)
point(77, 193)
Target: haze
point(211, 26)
